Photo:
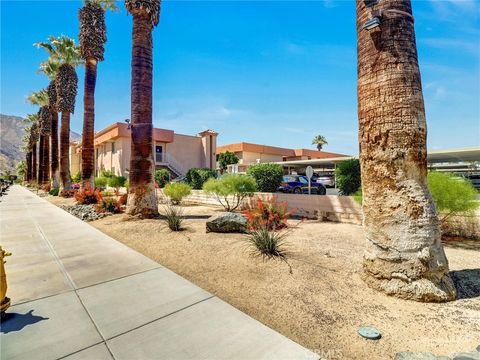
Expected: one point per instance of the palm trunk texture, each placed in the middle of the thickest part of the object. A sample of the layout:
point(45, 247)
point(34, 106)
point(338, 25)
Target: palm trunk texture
point(142, 200)
point(41, 159)
point(54, 171)
point(65, 152)
point(404, 256)
point(34, 162)
point(88, 163)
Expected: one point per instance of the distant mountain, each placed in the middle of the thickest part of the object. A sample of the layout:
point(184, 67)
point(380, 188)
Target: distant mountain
point(11, 133)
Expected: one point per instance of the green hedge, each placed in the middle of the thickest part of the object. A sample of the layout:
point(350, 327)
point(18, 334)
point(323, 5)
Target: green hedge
point(196, 177)
point(267, 176)
point(162, 177)
point(347, 176)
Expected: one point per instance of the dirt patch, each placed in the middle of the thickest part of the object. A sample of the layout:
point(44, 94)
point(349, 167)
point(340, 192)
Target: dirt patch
point(324, 301)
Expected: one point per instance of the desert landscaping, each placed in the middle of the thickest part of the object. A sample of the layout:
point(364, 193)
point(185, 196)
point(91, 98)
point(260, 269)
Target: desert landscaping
point(322, 301)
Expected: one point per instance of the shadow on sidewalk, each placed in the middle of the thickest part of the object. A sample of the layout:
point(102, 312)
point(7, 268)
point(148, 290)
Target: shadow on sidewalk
point(16, 322)
point(467, 282)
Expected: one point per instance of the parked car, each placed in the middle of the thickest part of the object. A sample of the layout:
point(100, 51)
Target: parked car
point(298, 184)
point(327, 180)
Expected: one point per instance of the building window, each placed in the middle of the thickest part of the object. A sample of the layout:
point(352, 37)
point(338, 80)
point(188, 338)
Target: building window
point(113, 148)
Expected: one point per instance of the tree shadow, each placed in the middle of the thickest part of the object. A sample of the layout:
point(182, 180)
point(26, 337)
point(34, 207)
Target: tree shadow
point(467, 282)
point(16, 322)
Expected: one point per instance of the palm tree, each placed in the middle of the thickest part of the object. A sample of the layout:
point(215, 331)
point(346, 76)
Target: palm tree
point(33, 139)
point(64, 50)
point(40, 98)
point(50, 68)
point(404, 256)
point(92, 38)
point(319, 141)
point(142, 198)
point(27, 149)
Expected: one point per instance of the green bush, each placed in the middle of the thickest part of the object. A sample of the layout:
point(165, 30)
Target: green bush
point(54, 191)
point(197, 177)
point(227, 158)
point(77, 177)
point(267, 244)
point(177, 191)
point(267, 176)
point(358, 196)
point(106, 173)
point(347, 176)
point(116, 181)
point(451, 194)
point(162, 177)
point(101, 182)
point(231, 189)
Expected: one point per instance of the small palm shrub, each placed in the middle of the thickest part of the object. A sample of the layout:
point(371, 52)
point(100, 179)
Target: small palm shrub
point(88, 195)
point(106, 173)
point(54, 191)
point(162, 177)
point(77, 177)
point(109, 204)
point(267, 244)
point(230, 190)
point(177, 191)
point(268, 214)
point(196, 177)
point(268, 176)
point(116, 182)
point(174, 217)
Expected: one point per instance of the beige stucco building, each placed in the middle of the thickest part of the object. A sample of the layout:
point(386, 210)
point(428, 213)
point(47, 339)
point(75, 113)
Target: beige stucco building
point(175, 152)
point(249, 154)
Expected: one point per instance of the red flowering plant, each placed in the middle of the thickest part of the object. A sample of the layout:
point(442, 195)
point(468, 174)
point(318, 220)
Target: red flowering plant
point(88, 195)
point(267, 214)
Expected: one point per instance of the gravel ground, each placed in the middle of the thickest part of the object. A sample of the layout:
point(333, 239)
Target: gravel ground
point(323, 301)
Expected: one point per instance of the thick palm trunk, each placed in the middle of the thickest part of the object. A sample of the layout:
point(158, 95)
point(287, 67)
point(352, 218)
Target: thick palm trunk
point(34, 162)
point(88, 122)
point(404, 256)
point(29, 166)
point(54, 170)
point(41, 159)
point(65, 181)
point(46, 156)
point(142, 199)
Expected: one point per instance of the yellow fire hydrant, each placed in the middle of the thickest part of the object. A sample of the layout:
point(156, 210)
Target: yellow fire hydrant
point(5, 301)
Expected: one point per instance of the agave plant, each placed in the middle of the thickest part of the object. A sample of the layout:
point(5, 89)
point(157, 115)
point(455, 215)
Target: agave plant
point(93, 35)
point(142, 197)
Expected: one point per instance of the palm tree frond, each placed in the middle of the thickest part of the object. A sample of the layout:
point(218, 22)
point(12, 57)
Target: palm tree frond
point(39, 98)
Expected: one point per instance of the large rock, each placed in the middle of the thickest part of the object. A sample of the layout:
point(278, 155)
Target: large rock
point(227, 222)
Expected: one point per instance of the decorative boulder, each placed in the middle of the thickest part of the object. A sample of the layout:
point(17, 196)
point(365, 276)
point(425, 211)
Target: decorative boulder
point(227, 222)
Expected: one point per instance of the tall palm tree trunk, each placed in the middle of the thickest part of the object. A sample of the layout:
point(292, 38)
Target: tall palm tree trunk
point(89, 122)
point(54, 170)
point(404, 256)
point(46, 156)
point(29, 166)
point(34, 162)
point(41, 159)
point(65, 152)
point(142, 199)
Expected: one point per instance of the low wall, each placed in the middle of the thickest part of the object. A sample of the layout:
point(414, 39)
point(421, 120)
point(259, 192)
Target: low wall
point(325, 208)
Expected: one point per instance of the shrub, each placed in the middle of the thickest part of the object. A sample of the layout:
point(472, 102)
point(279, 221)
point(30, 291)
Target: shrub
point(358, 196)
point(46, 187)
point(177, 191)
point(77, 177)
point(227, 158)
point(88, 195)
point(268, 214)
point(452, 195)
point(347, 176)
point(162, 177)
point(106, 173)
point(230, 190)
point(267, 176)
point(267, 244)
point(101, 182)
point(123, 199)
point(54, 191)
point(76, 186)
point(196, 177)
point(109, 204)
point(116, 182)
point(174, 217)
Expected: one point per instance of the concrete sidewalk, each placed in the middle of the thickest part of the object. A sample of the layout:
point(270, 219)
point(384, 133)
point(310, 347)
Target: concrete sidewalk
point(79, 294)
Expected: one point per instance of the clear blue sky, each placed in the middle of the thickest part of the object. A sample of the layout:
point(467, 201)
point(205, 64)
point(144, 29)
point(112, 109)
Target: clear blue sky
point(274, 72)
